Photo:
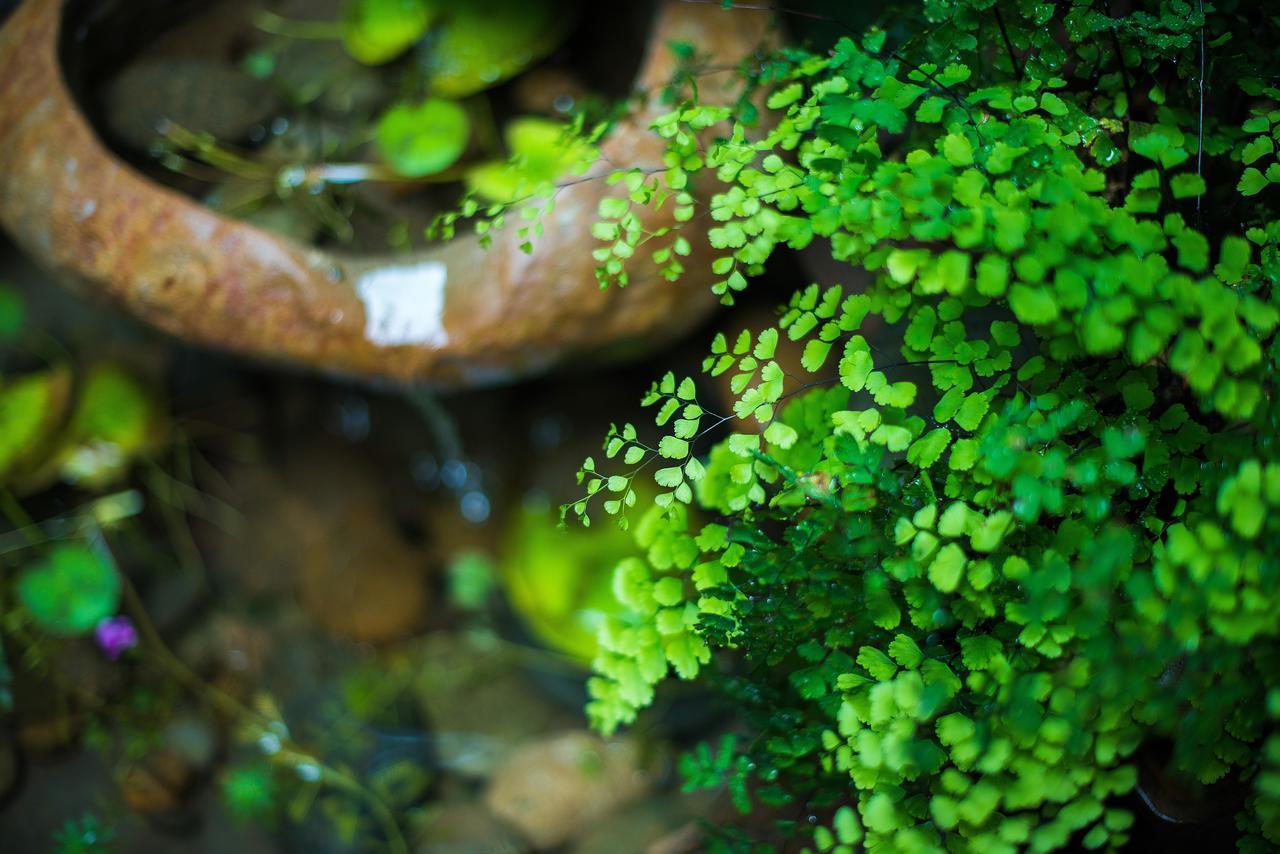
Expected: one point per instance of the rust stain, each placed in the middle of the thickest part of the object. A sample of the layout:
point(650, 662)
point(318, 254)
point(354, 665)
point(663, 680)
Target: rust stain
point(225, 283)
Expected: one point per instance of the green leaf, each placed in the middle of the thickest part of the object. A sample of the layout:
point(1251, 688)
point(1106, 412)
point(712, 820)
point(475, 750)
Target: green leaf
point(542, 152)
point(480, 43)
point(1260, 147)
point(1003, 157)
point(947, 567)
point(875, 662)
point(673, 448)
point(964, 455)
point(881, 814)
point(979, 651)
point(955, 728)
point(948, 405)
point(958, 150)
point(1187, 184)
point(944, 811)
point(1100, 334)
point(668, 591)
point(1193, 250)
point(70, 591)
point(972, 411)
point(920, 331)
point(815, 355)
point(766, 344)
point(855, 369)
point(902, 264)
point(847, 826)
point(12, 313)
point(993, 275)
point(905, 652)
point(1252, 182)
point(926, 450)
point(930, 109)
point(423, 139)
point(671, 476)
point(378, 31)
point(1034, 305)
point(1233, 259)
point(113, 409)
point(1053, 105)
point(780, 435)
point(954, 520)
point(30, 407)
point(785, 96)
point(988, 536)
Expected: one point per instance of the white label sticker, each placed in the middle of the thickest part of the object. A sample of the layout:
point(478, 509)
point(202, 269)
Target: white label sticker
point(404, 304)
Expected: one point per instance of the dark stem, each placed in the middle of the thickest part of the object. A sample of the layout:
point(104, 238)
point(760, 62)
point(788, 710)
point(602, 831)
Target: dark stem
point(1008, 45)
point(761, 7)
point(1128, 94)
point(1200, 129)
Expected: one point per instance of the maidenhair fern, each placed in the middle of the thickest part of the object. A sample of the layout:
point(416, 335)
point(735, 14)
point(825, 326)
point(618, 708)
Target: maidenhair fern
point(969, 563)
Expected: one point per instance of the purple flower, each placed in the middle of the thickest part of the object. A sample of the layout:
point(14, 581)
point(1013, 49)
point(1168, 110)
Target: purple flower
point(115, 635)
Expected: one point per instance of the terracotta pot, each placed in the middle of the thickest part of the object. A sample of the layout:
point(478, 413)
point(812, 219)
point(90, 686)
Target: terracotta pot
point(457, 314)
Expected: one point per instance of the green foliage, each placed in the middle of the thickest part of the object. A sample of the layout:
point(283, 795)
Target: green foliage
point(541, 152)
point(70, 590)
point(12, 312)
point(84, 835)
point(29, 408)
point(463, 48)
point(114, 420)
point(562, 586)
point(85, 430)
point(470, 580)
point(964, 582)
point(703, 769)
point(378, 31)
point(424, 138)
point(481, 43)
point(250, 792)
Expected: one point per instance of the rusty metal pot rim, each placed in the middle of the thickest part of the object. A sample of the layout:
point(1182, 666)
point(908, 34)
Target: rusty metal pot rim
point(456, 315)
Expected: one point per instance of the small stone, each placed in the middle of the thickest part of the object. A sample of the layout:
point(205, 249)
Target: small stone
point(194, 739)
point(465, 827)
point(554, 789)
point(157, 784)
point(362, 582)
point(655, 823)
point(200, 95)
point(322, 529)
point(468, 694)
point(685, 839)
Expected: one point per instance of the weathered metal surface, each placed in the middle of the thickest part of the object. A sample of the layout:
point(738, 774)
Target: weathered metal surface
point(458, 314)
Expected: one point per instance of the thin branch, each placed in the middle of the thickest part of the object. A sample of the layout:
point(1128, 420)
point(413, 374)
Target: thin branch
point(1128, 95)
point(1008, 45)
point(960, 102)
point(1200, 129)
point(785, 10)
point(296, 28)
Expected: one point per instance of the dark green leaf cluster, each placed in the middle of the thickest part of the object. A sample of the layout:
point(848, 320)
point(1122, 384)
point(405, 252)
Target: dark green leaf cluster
point(965, 581)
